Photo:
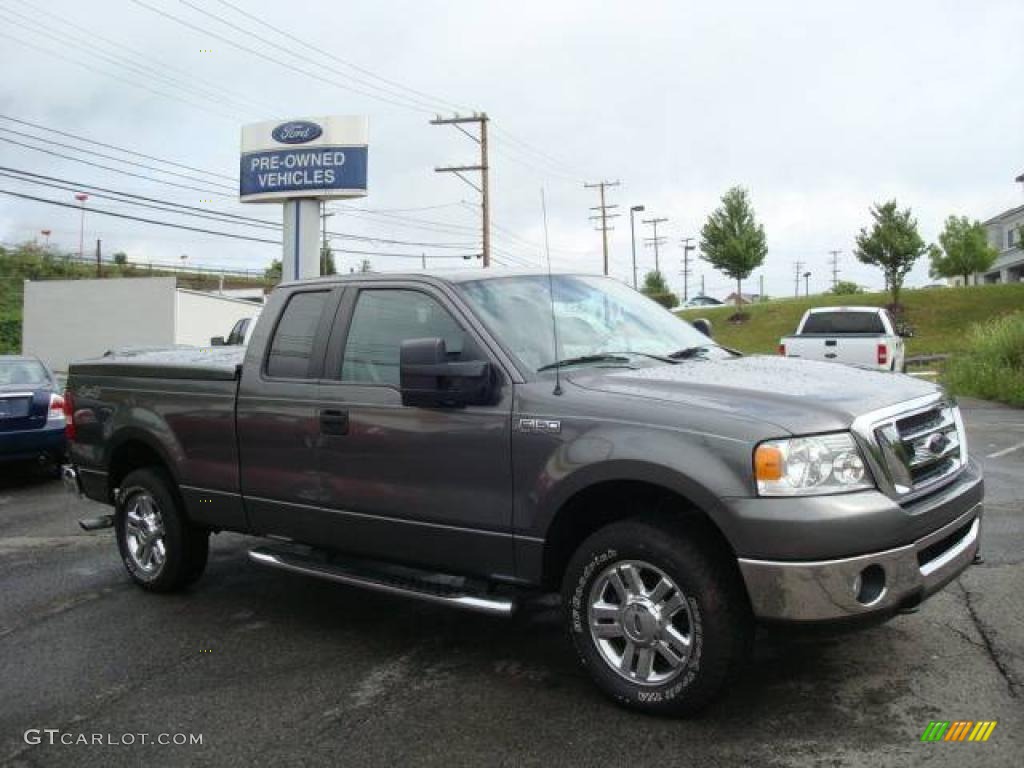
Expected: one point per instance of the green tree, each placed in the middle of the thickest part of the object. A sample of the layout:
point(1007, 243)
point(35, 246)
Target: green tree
point(120, 258)
point(274, 271)
point(893, 245)
point(846, 288)
point(965, 250)
point(327, 266)
point(656, 288)
point(732, 241)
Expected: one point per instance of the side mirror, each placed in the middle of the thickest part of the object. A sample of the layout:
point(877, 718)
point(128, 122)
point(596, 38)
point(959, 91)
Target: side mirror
point(905, 331)
point(702, 325)
point(217, 341)
point(429, 379)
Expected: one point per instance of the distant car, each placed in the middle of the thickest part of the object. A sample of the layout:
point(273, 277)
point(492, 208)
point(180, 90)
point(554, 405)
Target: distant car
point(863, 336)
point(239, 335)
point(31, 411)
point(702, 301)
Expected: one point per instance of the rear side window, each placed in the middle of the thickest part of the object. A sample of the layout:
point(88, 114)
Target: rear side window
point(291, 349)
point(843, 322)
point(382, 320)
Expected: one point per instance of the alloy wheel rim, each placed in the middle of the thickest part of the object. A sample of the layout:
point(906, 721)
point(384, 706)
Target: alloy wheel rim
point(641, 622)
point(145, 533)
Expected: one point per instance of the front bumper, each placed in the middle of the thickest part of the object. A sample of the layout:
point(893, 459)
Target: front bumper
point(875, 584)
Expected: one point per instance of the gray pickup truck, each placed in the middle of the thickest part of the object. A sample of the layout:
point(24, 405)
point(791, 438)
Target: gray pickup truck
point(475, 439)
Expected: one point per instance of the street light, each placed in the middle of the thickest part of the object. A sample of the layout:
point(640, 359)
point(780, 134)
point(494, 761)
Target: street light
point(807, 287)
point(632, 238)
point(81, 197)
point(46, 233)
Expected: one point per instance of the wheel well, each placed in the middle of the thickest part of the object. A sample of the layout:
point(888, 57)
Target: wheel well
point(129, 456)
point(604, 503)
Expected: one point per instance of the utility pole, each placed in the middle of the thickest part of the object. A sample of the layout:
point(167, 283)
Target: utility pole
point(603, 208)
point(655, 241)
point(686, 266)
point(484, 189)
point(325, 245)
point(423, 256)
point(835, 268)
point(702, 285)
point(99, 267)
point(797, 266)
point(760, 295)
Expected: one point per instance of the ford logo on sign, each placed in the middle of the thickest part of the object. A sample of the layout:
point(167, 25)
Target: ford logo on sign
point(296, 132)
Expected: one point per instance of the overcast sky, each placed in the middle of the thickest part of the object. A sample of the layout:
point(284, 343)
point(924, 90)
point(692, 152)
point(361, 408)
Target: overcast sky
point(819, 109)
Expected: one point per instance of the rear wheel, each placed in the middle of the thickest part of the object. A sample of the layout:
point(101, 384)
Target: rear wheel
point(657, 619)
point(160, 549)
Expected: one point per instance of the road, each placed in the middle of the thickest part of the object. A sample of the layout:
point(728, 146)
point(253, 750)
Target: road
point(275, 668)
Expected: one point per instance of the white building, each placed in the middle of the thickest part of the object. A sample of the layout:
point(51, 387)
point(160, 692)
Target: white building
point(66, 320)
point(1004, 234)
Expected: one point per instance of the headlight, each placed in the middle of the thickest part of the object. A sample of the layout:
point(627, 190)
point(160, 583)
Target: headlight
point(809, 466)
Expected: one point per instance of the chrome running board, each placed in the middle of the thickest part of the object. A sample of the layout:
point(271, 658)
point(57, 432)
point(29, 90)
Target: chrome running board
point(397, 581)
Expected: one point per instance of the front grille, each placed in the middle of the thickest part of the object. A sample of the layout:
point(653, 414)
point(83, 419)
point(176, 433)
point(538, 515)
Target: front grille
point(922, 449)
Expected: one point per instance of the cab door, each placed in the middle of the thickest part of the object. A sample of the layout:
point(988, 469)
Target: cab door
point(278, 413)
point(427, 486)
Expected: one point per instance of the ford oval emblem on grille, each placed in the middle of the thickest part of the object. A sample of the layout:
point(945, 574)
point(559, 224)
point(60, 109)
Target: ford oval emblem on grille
point(936, 444)
point(297, 132)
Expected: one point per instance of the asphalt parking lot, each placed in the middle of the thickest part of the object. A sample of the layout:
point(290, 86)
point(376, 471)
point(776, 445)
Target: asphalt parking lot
point(274, 668)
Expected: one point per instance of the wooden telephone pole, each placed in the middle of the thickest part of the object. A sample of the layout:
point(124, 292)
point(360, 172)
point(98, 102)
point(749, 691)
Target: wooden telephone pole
point(484, 189)
point(603, 215)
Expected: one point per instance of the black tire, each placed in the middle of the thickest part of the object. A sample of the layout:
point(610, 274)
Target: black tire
point(185, 546)
point(717, 613)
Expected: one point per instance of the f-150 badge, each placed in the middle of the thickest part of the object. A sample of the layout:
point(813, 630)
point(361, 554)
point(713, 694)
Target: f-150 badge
point(539, 426)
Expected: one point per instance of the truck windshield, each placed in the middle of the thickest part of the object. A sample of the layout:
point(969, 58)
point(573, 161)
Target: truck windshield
point(598, 318)
point(843, 322)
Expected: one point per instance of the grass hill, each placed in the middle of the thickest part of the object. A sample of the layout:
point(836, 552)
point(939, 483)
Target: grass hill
point(941, 317)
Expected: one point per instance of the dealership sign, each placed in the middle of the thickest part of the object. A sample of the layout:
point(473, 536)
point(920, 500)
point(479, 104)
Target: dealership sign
point(321, 157)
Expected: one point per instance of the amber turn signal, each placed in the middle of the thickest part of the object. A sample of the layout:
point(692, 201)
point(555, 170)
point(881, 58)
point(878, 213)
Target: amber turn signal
point(768, 463)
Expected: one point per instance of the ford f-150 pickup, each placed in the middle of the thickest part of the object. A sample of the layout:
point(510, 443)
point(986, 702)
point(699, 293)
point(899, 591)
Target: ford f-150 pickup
point(475, 439)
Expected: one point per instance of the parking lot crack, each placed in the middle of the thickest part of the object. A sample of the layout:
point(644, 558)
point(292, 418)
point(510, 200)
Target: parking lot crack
point(993, 654)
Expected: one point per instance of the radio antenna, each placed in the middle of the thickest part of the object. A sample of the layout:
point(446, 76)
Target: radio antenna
point(551, 295)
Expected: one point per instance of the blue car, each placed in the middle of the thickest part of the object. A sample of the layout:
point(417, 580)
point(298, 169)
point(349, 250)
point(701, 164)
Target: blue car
point(31, 411)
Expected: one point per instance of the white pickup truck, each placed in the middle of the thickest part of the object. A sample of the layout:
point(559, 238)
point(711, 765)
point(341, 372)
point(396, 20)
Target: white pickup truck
point(863, 336)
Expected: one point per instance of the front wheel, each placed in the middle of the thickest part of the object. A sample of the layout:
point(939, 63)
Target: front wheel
point(657, 617)
point(161, 550)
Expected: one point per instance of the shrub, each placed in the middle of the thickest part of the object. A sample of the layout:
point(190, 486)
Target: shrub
point(993, 366)
point(666, 299)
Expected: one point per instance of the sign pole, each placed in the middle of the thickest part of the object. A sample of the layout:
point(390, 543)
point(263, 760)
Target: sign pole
point(301, 257)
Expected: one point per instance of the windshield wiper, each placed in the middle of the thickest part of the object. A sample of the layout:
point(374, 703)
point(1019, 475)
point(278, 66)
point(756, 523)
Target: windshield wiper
point(583, 359)
point(687, 352)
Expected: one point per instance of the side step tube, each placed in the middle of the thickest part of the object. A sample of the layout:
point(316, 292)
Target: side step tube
point(287, 561)
point(96, 523)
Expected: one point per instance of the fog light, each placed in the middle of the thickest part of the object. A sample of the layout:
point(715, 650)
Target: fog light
point(869, 586)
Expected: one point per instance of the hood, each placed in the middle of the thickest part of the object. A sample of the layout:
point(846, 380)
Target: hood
point(800, 396)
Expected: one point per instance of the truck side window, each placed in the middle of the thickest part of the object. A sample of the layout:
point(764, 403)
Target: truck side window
point(292, 346)
point(382, 320)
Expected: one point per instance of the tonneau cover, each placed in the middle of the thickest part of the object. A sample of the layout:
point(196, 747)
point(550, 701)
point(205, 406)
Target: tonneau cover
point(208, 363)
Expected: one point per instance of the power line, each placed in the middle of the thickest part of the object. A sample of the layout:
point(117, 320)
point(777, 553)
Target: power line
point(89, 48)
point(306, 44)
point(161, 94)
point(219, 233)
point(189, 210)
point(119, 160)
point(115, 170)
point(119, 149)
